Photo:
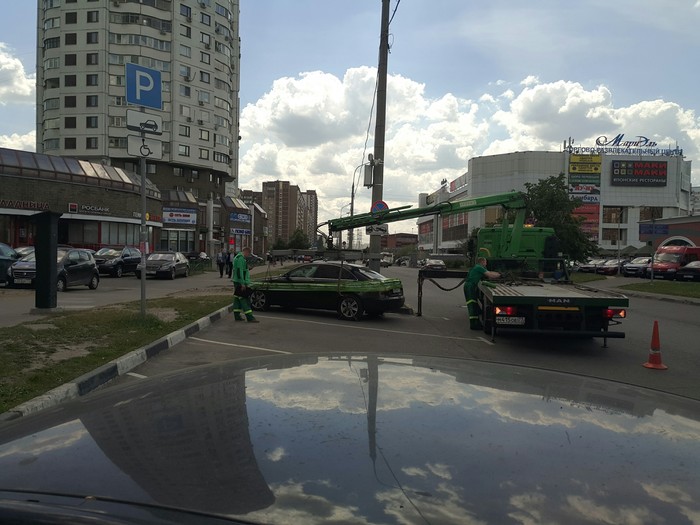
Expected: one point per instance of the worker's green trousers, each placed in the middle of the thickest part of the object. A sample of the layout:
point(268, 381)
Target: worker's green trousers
point(241, 305)
point(473, 309)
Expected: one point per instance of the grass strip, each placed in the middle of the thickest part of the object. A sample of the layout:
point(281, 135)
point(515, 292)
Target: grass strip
point(40, 355)
point(680, 289)
point(583, 277)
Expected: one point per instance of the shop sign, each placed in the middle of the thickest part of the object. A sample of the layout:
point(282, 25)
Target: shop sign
point(638, 173)
point(179, 216)
point(239, 217)
point(584, 188)
point(74, 207)
point(586, 198)
point(240, 231)
point(24, 205)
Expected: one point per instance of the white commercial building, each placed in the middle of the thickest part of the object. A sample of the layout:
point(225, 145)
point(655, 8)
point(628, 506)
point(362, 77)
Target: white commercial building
point(620, 183)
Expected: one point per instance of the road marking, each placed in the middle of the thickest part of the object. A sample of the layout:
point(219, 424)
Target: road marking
point(486, 341)
point(134, 374)
point(349, 326)
point(248, 347)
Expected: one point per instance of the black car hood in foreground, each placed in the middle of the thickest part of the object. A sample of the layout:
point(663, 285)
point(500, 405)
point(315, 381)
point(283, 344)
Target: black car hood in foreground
point(371, 439)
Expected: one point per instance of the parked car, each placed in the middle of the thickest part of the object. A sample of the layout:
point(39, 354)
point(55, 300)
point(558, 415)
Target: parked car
point(689, 272)
point(75, 267)
point(164, 264)
point(197, 256)
point(609, 267)
point(669, 259)
point(350, 289)
point(384, 439)
point(118, 261)
point(636, 267)
point(8, 257)
point(23, 251)
point(591, 265)
point(435, 264)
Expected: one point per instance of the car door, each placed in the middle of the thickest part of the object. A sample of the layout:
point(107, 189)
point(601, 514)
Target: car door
point(85, 266)
point(299, 289)
point(71, 267)
point(327, 283)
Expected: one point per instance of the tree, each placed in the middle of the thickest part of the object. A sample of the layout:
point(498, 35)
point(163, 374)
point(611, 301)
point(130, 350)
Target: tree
point(549, 203)
point(298, 241)
point(279, 244)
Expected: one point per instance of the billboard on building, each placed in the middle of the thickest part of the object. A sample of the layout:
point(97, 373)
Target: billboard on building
point(179, 216)
point(584, 184)
point(638, 173)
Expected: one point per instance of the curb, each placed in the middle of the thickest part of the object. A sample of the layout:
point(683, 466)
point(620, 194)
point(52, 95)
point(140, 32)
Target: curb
point(659, 297)
point(105, 373)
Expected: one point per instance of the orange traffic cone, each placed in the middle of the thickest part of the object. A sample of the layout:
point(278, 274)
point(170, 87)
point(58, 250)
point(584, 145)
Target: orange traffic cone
point(655, 351)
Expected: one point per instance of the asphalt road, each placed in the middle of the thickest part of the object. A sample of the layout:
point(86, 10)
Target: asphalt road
point(443, 331)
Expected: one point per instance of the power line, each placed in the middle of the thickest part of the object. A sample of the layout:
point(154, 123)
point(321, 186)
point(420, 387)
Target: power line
point(394, 12)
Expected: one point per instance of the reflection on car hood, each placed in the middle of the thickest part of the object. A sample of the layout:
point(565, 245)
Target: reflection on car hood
point(370, 439)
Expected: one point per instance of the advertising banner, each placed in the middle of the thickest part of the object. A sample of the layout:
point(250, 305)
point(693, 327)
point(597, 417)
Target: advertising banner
point(239, 217)
point(638, 173)
point(179, 216)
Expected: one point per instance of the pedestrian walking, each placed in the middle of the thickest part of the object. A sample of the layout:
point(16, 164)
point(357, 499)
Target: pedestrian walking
point(241, 289)
point(221, 261)
point(471, 290)
point(229, 263)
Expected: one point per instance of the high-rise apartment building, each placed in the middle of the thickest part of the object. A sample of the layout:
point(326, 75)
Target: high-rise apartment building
point(289, 209)
point(83, 46)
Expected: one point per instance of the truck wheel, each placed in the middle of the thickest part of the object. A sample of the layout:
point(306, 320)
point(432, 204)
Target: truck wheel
point(258, 300)
point(350, 308)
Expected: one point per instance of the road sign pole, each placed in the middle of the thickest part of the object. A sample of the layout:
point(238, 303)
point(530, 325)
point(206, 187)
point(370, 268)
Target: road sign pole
point(144, 233)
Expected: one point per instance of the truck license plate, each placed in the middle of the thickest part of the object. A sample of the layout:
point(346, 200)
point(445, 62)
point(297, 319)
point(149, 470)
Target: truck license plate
point(23, 281)
point(511, 320)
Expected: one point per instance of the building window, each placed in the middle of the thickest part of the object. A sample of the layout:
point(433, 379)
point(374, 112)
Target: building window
point(204, 153)
point(118, 142)
point(205, 57)
point(90, 142)
point(185, 111)
point(183, 131)
point(206, 78)
point(185, 71)
point(204, 134)
point(206, 19)
point(69, 143)
point(71, 39)
point(92, 59)
point(51, 43)
point(118, 122)
point(185, 51)
point(69, 122)
point(91, 122)
point(185, 91)
point(185, 31)
point(183, 150)
point(91, 80)
point(647, 213)
point(69, 102)
point(177, 172)
point(50, 144)
point(52, 63)
point(51, 23)
point(70, 80)
point(91, 101)
point(185, 11)
point(70, 59)
point(91, 37)
point(206, 39)
point(52, 83)
point(93, 16)
point(51, 103)
point(72, 17)
point(116, 80)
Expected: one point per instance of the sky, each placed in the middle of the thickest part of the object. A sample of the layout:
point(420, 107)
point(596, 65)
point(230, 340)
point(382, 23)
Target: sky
point(466, 79)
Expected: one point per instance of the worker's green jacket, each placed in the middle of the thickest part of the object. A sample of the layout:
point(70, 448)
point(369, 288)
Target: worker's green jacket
point(240, 274)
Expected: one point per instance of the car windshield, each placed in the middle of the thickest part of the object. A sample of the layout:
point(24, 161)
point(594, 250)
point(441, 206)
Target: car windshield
point(667, 257)
point(161, 257)
point(640, 260)
point(108, 252)
point(372, 274)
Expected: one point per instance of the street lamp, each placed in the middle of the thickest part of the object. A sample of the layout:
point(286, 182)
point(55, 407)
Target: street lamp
point(351, 233)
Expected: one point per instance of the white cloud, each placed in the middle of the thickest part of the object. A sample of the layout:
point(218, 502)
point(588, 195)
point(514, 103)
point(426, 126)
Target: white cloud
point(16, 86)
point(16, 141)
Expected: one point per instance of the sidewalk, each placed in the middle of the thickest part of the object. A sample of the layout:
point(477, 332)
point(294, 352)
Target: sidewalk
point(614, 283)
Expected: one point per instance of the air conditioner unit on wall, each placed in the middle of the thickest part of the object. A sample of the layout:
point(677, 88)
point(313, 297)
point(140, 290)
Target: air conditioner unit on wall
point(200, 122)
point(189, 119)
point(201, 102)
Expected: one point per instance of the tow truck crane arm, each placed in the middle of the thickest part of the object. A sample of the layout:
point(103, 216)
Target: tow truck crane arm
point(514, 200)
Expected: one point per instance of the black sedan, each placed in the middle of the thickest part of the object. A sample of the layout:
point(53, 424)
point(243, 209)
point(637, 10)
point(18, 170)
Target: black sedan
point(118, 261)
point(350, 289)
point(75, 267)
point(356, 439)
point(165, 264)
point(689, 272)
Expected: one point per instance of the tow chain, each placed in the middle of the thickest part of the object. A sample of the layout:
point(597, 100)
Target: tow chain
point(447, 289)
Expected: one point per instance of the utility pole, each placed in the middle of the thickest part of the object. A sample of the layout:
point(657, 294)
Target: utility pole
point(375, 242)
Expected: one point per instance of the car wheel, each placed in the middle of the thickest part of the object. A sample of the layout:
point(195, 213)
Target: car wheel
point(172, 274)
point(94, 282)
point(138, 275)
point(187, 271)
point(61, 284)
point(258, 300)
point(350, 308)
point(118, 272)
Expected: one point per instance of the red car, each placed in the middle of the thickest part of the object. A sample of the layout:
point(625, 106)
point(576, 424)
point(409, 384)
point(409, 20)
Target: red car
point(610, 267)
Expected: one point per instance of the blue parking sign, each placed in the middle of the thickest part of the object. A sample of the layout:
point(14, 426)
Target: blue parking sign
point(143, 86)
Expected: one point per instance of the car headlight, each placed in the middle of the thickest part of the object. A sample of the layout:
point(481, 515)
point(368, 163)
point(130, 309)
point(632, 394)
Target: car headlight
point(9, 271)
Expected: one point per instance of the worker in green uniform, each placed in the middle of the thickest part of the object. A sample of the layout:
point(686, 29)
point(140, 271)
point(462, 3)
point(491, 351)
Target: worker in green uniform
point(241, 290)
point(471, 288)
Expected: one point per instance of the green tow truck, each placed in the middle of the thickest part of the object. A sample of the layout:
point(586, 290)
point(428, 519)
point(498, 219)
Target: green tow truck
point(535, 293)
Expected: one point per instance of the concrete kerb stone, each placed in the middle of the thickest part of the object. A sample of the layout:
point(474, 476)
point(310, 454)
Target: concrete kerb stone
point(120, 366)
